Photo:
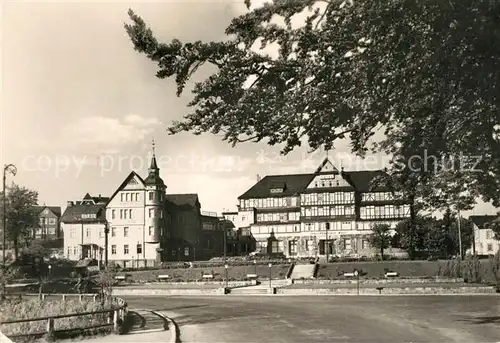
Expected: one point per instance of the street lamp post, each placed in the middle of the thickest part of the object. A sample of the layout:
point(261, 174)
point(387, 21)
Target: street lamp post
point(106, 234)
point(270, 274)
point(327, 247)
point(9, 168)
point(225, 273)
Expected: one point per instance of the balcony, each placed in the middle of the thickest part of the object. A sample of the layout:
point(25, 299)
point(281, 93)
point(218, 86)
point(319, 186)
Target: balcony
point(329, 218)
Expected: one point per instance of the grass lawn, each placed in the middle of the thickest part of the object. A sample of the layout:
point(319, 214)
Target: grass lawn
point(405, 269)
point(235, 273)
point(391, 285)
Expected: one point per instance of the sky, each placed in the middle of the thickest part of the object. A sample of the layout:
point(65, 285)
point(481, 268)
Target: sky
point(80, 108)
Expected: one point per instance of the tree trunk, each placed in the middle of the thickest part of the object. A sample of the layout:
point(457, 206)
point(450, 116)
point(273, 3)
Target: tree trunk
point(382, 253)
point(15, 242)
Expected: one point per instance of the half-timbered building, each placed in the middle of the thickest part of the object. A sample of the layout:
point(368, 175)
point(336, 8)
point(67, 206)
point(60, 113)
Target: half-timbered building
point(296, 210)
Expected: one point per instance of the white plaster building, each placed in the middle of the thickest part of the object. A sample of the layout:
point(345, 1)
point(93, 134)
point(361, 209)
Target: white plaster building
point(484, 242)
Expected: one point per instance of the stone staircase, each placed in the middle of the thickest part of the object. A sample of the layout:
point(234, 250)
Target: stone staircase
point(146, 320)
point(303, 271)
point(261, 289)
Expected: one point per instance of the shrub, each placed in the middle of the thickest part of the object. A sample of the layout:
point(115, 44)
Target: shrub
point(472, 269)
point(495, 268)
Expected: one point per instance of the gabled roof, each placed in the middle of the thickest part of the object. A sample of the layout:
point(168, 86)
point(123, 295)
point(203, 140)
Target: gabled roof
point(481, 220)
point(95, 200)
point(294, 184)
point(190, 199)
point(125, 182)
point(54, 209)
point(297, 183)
point(323, 164)
point(75, 214)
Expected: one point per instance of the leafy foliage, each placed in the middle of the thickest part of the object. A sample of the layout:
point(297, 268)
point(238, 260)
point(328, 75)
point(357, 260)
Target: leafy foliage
point(422, 72)
point(380, 238)
point(21, 215)
point(435, 236)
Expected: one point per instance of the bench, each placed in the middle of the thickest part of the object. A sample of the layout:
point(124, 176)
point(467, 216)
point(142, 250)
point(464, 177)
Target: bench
point(121, 277)
point(252, 276)
point(163, 277)
point(208, 276)
point(391, 274)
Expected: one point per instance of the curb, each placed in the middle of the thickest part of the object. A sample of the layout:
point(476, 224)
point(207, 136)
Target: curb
point(175, 333)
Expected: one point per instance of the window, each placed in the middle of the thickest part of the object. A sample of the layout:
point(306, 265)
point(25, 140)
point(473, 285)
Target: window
point(150, 231)
point(364, 244)
point(275, 247)
point(139, 249)
point(121, 214)
point(52, 221)
point(490, 247)
point(69, 251)
point(75, 250)
point(488, 234)
point(161, 214)
point(136, 196)
point(125, 232)
point(125, 214)
point(151, 195)
point(113, 214)
point(87, 230)
point(72, 232)
point(130, 214)
point(347, 243)
point(151, 213)
point(113, 232)
point(292, 247)
point(113, 250)
point(186, 251)
point(101, 232)
point(125, 249)
point(126, 196)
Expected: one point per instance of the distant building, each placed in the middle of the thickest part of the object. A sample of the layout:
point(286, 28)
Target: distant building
point(83, 223)
point(239, 236)
point(48, 224)
point(294, 211)
point(484, 242)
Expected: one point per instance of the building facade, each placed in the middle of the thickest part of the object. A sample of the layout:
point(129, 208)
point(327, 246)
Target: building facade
point(146, 226)
point(297, 209)
point(49, 228)
point(83, 224)
point(137, 219)
point(484, 242)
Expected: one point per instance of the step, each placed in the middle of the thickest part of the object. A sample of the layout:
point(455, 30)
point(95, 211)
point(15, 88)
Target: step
point(305, 271)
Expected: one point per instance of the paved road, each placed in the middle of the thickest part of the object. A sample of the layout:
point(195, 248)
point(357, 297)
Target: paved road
point(332, 319)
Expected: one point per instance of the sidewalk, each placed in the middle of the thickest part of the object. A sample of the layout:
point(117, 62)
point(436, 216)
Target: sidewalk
point(152, 332)
point(135, 336)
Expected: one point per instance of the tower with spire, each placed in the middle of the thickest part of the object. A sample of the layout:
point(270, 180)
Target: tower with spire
point(155, 198)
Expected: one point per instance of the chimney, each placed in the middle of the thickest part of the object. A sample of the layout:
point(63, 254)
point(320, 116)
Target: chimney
point(258, 177)
point(69, 203)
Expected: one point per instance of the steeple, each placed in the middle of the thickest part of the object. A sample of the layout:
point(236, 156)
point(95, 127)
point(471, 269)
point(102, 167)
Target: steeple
point(153, 171)
point(153, 167)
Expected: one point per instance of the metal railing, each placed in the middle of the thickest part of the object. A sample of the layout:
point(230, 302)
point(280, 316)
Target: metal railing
point(116, 319)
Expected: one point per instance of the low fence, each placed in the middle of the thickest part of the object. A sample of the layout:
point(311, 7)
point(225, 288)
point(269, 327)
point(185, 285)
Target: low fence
point(115, 320)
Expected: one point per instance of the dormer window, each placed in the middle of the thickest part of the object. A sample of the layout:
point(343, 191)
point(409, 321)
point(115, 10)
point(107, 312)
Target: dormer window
point(276, 190)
